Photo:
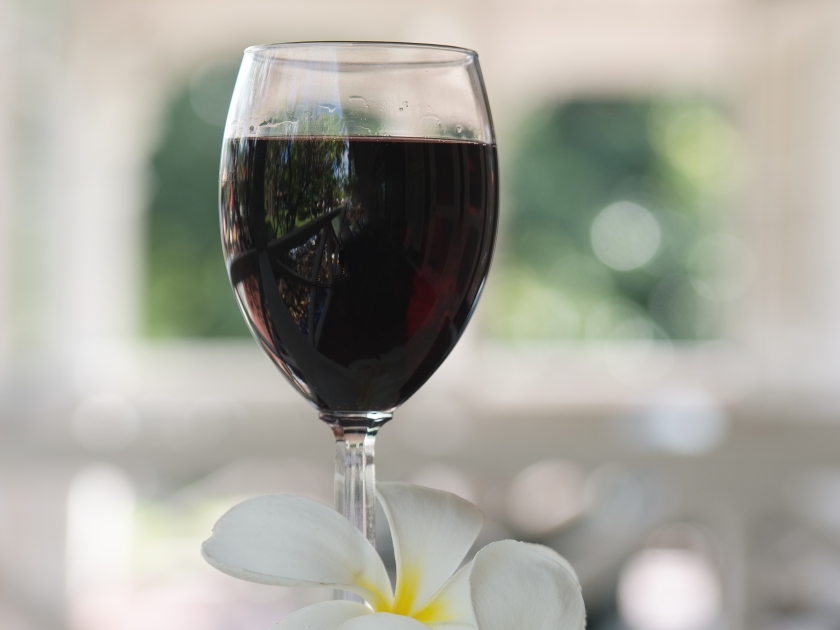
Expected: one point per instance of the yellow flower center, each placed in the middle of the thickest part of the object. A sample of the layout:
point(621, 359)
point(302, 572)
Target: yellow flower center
point(408, 583)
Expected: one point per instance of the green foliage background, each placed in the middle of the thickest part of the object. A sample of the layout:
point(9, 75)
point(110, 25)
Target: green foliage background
point(187, 290)
point(673, 158)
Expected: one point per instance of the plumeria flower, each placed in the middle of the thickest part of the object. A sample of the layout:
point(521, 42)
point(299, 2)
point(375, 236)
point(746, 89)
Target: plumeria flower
point(289, 540)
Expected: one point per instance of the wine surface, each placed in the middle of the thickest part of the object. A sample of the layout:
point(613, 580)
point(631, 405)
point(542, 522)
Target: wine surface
point(357, 261)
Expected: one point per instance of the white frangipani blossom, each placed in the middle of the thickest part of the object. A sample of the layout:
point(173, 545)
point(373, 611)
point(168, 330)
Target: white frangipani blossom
point(292, 541)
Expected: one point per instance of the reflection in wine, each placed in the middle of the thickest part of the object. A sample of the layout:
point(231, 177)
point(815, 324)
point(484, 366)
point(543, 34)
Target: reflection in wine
point(358, 261)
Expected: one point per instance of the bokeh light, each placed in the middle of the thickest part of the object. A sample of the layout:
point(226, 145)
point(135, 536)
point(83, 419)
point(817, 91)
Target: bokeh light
point(545, 496)
point(625, 236)
point(669, 589)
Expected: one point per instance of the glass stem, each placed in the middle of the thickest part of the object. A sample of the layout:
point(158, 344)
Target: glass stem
point(355, 478)
point(355, 474)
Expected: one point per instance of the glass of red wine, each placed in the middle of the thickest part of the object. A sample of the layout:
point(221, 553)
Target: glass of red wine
point(359, 204)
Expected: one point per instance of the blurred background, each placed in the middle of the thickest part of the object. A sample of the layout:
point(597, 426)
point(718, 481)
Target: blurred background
point(651, 383)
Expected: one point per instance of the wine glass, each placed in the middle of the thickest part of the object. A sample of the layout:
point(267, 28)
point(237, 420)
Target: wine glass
point(359, 204)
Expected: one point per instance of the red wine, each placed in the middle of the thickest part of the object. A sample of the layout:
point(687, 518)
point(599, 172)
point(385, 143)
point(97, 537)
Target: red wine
point(358, 261)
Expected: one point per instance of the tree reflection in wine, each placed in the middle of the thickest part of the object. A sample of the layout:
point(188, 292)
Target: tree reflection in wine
point(360, 259)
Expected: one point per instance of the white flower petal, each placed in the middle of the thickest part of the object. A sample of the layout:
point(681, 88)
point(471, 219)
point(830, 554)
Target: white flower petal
point(323, 616)
point(516, 587)
point(288, 540)
point(548, 552)
point(432, 532)
point(450, 608)
point(383, 621)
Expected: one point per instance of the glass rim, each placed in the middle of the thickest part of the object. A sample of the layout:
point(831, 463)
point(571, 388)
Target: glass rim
point(458, 54)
